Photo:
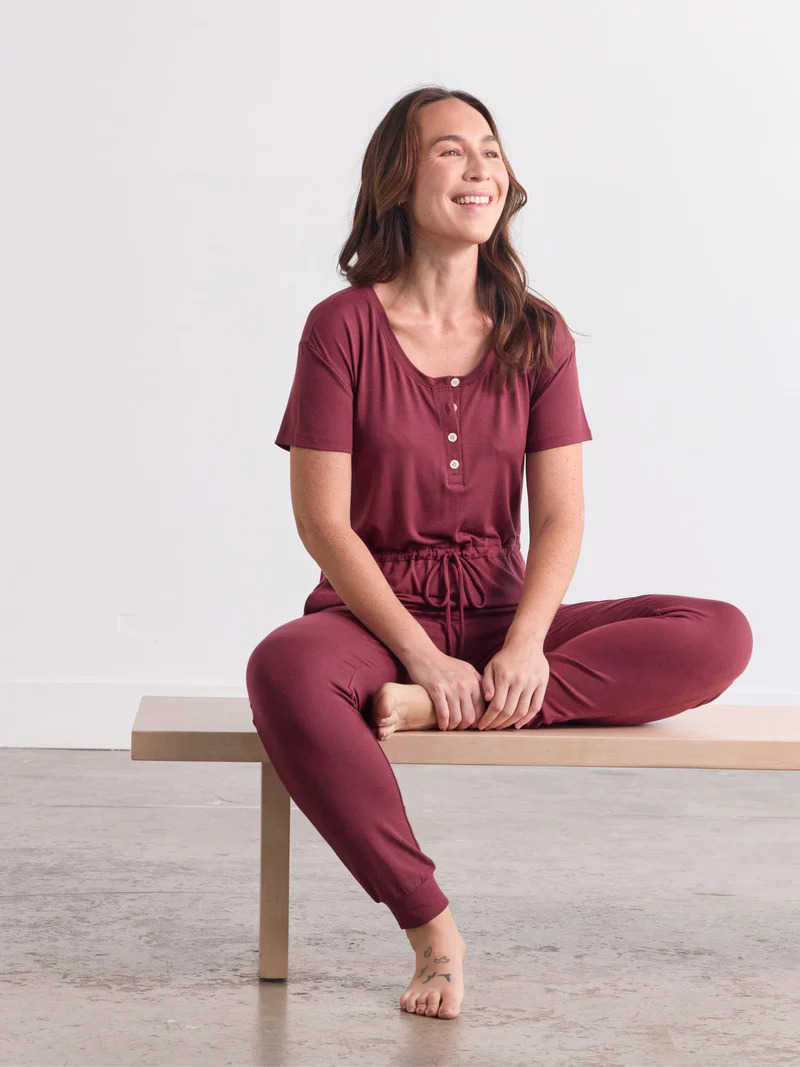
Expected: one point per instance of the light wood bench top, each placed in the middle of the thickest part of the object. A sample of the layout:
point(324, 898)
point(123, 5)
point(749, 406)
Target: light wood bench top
point(220, 729)
point(743, 737)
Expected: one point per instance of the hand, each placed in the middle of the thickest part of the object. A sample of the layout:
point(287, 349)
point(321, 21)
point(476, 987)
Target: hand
point(453, 685)
point(514, 681)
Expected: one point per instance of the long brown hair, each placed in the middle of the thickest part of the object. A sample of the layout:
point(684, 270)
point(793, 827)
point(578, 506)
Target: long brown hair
point(524, 324)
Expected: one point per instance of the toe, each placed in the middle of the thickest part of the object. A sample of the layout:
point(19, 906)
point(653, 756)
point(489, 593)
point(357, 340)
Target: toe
point(433, 1002)
point(385, 725)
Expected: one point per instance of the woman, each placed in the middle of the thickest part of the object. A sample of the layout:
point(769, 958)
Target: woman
point(418, 391)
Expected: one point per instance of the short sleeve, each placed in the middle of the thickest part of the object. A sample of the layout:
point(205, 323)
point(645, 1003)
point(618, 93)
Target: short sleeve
point(556, 408)
point(319, 411)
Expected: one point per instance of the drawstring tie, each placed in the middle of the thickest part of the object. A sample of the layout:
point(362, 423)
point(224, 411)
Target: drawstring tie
point(468, 580)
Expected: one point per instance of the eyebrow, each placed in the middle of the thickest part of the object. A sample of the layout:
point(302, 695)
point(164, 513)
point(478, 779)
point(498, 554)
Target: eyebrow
point(458, 137)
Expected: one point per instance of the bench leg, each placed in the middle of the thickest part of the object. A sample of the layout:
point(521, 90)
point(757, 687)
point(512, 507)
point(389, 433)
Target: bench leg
point(273, 925)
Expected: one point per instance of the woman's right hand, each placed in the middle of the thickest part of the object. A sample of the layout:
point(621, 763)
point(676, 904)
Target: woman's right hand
point(453, 685)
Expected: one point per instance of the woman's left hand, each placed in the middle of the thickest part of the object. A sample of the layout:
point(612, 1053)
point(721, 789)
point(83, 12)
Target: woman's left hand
point(513, 685)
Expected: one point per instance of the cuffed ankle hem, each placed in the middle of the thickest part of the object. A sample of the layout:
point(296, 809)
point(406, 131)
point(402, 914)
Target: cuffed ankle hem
point(420, 905)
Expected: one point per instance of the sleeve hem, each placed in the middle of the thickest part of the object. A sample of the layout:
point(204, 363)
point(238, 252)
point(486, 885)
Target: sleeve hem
point(555, 440)
point(304, 441)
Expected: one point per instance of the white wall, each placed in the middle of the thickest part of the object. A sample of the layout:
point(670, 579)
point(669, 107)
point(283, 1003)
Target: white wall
point(178, 179)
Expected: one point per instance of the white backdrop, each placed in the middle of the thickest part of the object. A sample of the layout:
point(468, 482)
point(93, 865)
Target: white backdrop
point(178, 180)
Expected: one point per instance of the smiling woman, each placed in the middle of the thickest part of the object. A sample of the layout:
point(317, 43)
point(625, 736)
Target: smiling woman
point(413, 174)
point(421, 392)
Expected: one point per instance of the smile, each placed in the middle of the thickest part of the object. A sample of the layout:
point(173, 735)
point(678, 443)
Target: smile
point(475, 200)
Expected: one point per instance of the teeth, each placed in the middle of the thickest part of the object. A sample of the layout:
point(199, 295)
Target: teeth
point(472, 200)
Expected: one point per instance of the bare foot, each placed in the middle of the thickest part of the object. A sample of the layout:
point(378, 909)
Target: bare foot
point(437, 987)
point(402, 707)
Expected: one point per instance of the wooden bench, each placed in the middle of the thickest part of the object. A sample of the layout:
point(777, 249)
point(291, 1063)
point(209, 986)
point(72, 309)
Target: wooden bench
point(220, 730)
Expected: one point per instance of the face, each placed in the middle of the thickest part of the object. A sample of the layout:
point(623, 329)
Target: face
point(467, 161)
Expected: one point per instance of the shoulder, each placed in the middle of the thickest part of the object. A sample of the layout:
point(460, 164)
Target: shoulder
point(562, 352)
point(336, 320)
point(334, 330)
point(562, 343)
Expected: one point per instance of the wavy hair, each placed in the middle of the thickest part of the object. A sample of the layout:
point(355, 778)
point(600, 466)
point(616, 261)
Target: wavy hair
point(524, 323)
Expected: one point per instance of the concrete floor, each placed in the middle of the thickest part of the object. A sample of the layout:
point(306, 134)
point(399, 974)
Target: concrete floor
point(612, 916)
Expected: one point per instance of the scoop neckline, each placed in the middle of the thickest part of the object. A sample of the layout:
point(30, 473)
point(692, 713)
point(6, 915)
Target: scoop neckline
point(397, 350)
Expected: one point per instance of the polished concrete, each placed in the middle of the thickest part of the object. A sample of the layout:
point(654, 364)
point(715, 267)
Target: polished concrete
point(612, 916)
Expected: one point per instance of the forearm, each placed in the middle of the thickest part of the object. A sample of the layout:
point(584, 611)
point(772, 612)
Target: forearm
point(552, 557)
point(352, 570)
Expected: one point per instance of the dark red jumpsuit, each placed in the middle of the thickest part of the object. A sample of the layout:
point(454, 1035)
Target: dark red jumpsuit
point(437, 475)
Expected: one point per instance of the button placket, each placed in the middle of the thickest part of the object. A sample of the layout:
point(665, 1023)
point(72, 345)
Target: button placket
point(448, 393)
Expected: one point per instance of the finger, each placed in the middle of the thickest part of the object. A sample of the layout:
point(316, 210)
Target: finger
point(537, 700)
point(467, 711)
point(513, 708)
point(495, 707)
point(523, 709)
point(465, 706)
point(476, 709)
point(487, 684)
point(454, 706)
point(441, 708)
point(480, 701)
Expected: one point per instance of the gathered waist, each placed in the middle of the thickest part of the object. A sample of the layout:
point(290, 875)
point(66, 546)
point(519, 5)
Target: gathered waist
point(453, 566)
point(478, 572)
point(473, 548)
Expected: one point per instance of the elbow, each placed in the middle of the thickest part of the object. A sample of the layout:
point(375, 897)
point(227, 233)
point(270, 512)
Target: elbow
point(567, 520)
point(312, 531)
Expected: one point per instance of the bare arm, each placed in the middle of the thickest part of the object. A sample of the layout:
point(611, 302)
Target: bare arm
point(321, 486)
point(554, 480)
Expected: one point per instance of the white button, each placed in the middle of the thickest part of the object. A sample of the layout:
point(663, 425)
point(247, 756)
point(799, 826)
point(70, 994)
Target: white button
point(454, 463)
point(452, 437)
point(454, 381)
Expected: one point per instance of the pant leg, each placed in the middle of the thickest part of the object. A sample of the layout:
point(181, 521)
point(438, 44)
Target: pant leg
point(628, 661)
point(310, 684)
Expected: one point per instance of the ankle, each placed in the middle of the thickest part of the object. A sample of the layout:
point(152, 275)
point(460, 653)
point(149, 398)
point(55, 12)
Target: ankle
point(442, 923)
